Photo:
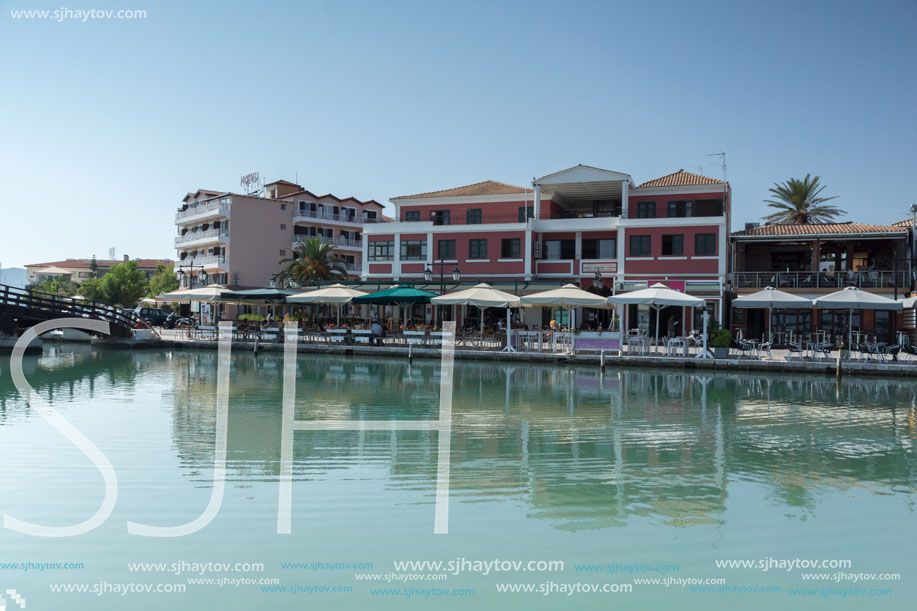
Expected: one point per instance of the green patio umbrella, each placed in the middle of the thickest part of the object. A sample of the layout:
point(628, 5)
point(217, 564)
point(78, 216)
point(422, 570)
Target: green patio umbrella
point(268, 294)
point(401, 295)
point(265, 294)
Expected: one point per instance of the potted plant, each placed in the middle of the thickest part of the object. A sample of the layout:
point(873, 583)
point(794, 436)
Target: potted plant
point(719, 341)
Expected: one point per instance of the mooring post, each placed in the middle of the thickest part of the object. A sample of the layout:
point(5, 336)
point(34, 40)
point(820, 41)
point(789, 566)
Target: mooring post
point(410, 352)
point(838, 370)
point(602, 361)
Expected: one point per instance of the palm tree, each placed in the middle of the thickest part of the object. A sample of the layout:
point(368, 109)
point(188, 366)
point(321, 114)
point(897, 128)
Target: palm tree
point(798, 203)
point(312, 260)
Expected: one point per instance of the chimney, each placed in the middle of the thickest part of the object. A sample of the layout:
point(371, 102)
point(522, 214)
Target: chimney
point(127, 258)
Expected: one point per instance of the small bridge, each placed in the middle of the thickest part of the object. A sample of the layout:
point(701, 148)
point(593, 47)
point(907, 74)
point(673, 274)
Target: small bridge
point(20, 309)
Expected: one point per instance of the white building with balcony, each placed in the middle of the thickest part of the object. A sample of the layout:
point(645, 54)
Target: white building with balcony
point(239, 240)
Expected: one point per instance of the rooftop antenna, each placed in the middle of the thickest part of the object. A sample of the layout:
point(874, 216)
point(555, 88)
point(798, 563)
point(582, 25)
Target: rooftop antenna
point(722, 163)
point(700, 169)
point(111, 253)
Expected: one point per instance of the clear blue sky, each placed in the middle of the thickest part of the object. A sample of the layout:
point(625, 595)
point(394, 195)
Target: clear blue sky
point(105, 125)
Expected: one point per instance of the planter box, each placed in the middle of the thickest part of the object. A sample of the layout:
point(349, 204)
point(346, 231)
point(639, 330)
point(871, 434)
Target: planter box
point(720, 353)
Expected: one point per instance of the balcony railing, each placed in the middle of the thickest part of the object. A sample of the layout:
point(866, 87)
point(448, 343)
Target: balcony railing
point(584, 214)
point(820, 280)
point(704, 210)
point(334, 241)
point(197, 235)
point(200, 207)
point(205, 261)
point(462, 219)
point(330, 216)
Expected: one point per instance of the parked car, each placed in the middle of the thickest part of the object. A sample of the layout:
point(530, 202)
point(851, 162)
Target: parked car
point(155, 317)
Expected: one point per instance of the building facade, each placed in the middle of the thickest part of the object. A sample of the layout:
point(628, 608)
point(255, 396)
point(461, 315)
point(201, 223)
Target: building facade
point(80, 270)
point(583, 224)
point(239, 240)
point(817, 259)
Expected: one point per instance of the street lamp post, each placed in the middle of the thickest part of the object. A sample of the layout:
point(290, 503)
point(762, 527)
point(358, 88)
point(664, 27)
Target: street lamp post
point(428, 276)
point(191, 267)
point(202, 276)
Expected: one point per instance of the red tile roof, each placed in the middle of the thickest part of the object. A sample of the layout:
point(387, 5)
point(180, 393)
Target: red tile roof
point(308, 193)
point(681, 179)
point(819, 229)
point(488, 187)
point(85, 263)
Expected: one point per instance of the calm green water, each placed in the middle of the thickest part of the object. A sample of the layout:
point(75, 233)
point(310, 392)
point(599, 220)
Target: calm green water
point(547, 463)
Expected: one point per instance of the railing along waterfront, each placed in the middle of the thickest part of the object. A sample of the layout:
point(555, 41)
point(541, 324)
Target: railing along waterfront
point(821, 280)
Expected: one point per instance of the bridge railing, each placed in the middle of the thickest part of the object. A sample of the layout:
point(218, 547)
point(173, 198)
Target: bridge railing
point(35, 305)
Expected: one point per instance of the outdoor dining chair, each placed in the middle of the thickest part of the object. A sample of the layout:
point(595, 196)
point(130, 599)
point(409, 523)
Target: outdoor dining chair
point(744, 348)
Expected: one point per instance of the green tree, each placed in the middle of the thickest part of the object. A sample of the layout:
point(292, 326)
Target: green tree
point(797, 202)
point(163, 281)
point(312, 260)
point(92, 290)
point(57, 285)
point(94, 268)
point(124, 285)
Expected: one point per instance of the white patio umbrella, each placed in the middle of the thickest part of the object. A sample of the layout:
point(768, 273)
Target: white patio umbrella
point(336, 294)
point(852, 298)
point(568, 296)
point(772, 299)
point(483, 296)
point(657, 296)
point(212, 292)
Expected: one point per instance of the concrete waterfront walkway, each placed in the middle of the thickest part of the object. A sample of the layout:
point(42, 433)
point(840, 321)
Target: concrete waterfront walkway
point(906, 367)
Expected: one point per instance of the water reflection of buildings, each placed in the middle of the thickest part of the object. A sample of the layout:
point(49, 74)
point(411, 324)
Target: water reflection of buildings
point(71, 371)
point(577, 448)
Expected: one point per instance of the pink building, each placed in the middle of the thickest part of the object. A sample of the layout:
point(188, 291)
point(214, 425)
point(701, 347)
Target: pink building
point(239, 240)
point(582, 224)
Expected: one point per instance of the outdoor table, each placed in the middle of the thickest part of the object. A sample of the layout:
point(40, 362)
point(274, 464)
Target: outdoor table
point(639, 342)
point(674, 344)
point(414, 337)
point(810, 349)
point(755, 345)
point(361, 335)
point(335, 335)
point(814, 347)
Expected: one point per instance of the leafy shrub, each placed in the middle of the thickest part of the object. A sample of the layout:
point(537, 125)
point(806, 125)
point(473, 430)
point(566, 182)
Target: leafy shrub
point(720, 338)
